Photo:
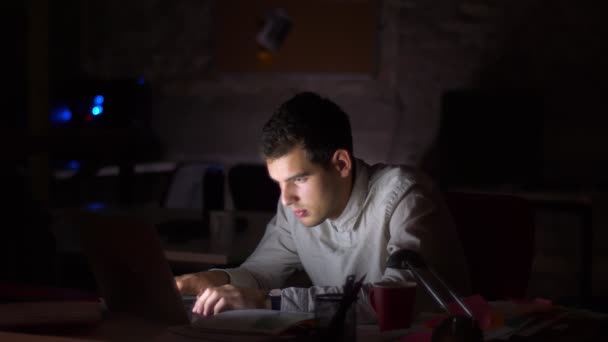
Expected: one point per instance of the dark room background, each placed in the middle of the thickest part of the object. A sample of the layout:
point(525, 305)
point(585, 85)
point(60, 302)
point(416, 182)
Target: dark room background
point(527, 76)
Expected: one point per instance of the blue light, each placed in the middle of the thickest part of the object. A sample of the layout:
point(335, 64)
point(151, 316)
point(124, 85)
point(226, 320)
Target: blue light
point(73, 165)
point(141, 81)
point(97, 110)
point(96, 206)
point(61, 114)
point(98, 100)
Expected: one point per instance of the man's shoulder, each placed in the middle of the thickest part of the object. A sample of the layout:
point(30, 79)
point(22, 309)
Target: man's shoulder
point(396, 176)
point(388, 184)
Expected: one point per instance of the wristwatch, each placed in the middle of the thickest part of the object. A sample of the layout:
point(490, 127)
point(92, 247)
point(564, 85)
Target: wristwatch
point(275, 299)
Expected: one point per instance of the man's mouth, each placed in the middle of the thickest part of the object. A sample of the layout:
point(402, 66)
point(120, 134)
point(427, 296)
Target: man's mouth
point(300, 213)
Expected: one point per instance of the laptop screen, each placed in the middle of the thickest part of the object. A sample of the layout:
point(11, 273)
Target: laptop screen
point(130, 268)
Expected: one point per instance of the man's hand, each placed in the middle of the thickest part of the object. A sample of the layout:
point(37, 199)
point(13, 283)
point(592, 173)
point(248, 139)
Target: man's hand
point(195, 283)
point(228, 297)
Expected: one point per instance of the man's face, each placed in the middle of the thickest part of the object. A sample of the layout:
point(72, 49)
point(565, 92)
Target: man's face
point(308, 189)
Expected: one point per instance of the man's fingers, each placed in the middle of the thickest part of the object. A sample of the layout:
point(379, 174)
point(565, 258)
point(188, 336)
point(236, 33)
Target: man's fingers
point(221, 305)
point(210, 301)
point(200, 302)
point(228, 297)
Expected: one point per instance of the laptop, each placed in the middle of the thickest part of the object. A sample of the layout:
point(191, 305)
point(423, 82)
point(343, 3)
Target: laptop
point(133, 277)
point(132, 274)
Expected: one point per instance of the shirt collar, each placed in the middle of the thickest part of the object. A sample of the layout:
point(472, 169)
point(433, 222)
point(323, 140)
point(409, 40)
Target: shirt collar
point(356, 200)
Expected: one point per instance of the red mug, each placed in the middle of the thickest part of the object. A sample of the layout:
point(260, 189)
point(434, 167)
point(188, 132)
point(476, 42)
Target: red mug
point(393, 303)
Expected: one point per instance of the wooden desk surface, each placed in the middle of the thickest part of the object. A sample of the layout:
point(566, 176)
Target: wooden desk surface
point(25, 337)
point(118, 328)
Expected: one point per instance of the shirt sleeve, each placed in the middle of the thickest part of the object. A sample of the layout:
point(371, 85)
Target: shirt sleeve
point(274, 259)
point(411, 221)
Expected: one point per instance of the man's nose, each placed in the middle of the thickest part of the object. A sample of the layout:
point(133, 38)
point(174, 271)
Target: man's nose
point(288, 197)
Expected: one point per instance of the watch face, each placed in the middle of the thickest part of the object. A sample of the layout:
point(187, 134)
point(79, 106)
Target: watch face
point(274, 292)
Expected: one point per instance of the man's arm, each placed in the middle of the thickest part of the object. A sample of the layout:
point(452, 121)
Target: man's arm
point(215, 295)
point(247, 286)
point(274, 259)
point(229, 297)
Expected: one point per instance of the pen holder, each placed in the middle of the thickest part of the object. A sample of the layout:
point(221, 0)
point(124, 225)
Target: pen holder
point(327, 328)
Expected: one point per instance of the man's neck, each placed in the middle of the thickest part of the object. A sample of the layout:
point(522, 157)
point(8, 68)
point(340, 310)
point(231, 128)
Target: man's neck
point(348, 192)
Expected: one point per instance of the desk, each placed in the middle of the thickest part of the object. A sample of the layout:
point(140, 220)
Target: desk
point(118, 328)
point(125, 328)
point(26, 337)
point(197, 251)
point(249, 227)
point(202, 251)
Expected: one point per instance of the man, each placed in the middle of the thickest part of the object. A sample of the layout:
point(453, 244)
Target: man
point(337, 216)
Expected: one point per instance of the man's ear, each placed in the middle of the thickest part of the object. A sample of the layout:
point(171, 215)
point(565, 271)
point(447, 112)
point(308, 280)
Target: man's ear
point(342, 162)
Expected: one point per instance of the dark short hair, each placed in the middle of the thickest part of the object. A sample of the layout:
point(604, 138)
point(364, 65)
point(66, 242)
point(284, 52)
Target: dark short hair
point(307, 119)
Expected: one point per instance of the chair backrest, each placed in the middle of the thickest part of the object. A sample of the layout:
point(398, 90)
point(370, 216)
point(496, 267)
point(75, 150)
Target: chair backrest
point(251, 188)
point(497, 233)
point(196, 186)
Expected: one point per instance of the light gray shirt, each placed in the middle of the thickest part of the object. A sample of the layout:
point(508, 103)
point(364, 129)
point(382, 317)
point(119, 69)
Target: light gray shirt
point(390, 208)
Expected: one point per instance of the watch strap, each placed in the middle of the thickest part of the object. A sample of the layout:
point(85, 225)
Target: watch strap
point(275, 299)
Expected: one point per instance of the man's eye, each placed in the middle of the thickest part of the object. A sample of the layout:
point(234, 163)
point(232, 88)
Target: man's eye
point(300, 180)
